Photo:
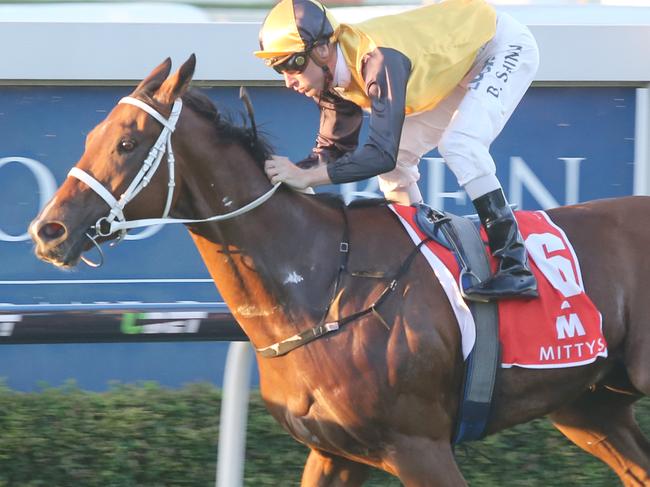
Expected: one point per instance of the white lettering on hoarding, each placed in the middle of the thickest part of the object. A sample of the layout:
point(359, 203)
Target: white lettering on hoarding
point(46, 187)
point(436, 194)
point(521, 177)
point(572, 179)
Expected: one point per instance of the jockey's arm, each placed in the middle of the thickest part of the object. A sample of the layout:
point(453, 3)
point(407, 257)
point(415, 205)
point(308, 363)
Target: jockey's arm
point(385, 72)
point(340, 124)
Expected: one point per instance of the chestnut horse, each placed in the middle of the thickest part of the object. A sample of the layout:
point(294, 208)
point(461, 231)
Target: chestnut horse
point(384, 390)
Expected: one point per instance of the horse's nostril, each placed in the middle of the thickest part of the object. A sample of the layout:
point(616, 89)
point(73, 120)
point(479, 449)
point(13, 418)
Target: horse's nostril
point(51, 231)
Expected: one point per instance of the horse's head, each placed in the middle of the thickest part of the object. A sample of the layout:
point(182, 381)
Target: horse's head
point(112, 166)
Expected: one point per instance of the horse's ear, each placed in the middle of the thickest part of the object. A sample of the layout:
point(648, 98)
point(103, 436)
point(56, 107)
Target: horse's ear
point(157, 77)
point(177, 84)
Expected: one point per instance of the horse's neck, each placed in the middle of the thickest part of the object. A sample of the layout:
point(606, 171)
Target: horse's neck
point(273, 269)
point(273, 266)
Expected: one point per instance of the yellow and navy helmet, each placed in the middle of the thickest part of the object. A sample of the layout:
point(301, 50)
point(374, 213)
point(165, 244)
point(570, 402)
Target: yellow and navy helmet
point(294, 26)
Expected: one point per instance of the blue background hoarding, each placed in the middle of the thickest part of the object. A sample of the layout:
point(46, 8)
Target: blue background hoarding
point(562, 145)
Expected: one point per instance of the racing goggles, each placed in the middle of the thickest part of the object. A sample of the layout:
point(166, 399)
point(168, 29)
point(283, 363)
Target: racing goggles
point(295, 63)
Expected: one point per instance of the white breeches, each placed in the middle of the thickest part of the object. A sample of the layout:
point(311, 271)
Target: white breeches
point(466, 122)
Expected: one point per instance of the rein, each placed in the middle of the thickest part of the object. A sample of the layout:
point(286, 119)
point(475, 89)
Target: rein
point(115, 221)
point(325, 327)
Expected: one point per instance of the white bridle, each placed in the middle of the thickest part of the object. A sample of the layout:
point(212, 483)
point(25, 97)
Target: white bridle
point(162, 146)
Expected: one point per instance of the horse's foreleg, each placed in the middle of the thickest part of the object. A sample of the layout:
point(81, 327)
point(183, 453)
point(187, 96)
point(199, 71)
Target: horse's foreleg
point(325, 470)
point(602, 423)
point(420, 462)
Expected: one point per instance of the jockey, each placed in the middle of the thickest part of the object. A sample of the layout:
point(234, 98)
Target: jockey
point(447, 75)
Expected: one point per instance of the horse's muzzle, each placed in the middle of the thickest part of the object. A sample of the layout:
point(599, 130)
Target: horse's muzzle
point(54, 243)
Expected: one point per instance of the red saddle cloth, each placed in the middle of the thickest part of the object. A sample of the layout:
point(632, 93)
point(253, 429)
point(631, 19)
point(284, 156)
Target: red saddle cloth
point(561, 328)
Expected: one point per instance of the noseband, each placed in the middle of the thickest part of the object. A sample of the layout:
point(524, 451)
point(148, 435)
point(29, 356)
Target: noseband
point(104, 226)
point(115, 221)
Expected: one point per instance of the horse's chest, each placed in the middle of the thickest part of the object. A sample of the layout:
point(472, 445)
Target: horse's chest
point(335, 416)
point(302, 429)
point(331, 426)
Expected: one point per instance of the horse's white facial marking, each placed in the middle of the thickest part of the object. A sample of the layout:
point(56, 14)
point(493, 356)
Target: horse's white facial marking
point(293, 278)
point(227, 202)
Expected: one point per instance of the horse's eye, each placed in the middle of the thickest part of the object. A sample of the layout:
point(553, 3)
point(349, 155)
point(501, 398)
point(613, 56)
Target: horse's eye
point(126, 145)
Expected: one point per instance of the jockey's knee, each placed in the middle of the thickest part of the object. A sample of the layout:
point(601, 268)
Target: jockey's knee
point(467, 157)
point(458, 144)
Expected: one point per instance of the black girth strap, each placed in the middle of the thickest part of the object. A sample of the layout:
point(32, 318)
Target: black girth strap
point(483, 362)
point(461, 236)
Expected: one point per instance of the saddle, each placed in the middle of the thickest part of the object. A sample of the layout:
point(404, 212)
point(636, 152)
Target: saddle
point(461, 236)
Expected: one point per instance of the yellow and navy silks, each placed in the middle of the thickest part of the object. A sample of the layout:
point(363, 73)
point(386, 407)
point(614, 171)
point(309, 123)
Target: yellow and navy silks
point(440, 40)
point(399, 64)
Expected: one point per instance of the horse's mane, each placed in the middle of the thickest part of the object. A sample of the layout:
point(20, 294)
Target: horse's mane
point(258, 146)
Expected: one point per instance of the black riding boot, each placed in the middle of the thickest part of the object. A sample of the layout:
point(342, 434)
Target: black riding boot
point(513, 278)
